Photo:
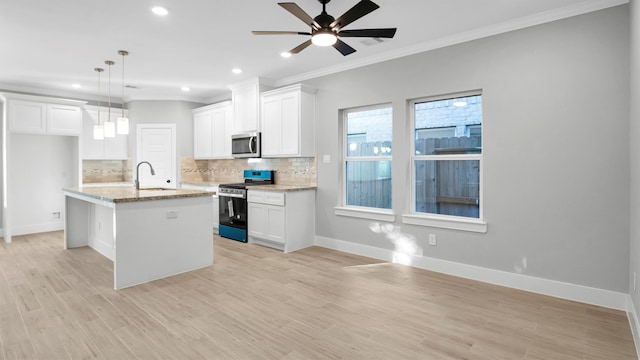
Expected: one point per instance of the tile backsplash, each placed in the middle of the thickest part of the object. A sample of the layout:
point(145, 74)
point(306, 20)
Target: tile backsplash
point(288, 171)
point(106, 171)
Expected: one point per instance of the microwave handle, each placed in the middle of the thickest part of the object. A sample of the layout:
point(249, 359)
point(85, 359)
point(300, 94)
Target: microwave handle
point(251, 139)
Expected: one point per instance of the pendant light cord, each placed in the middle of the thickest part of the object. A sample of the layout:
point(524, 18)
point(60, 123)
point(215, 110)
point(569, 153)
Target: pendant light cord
point(99, 70)
point(109, 62)
point(123, 53)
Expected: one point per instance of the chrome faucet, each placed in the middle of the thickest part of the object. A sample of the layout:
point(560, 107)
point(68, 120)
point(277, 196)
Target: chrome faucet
point(136, 183)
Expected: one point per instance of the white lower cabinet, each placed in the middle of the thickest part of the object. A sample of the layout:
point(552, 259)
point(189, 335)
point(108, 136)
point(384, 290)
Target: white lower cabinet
point(283, 220)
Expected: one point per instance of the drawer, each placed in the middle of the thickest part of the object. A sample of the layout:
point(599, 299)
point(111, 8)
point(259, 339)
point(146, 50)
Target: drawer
point(266, 197)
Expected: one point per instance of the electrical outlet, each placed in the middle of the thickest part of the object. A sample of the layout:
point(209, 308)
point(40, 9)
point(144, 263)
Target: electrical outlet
point(432, 240)
point(172, 214)
point(326, 159)
point(56, 214)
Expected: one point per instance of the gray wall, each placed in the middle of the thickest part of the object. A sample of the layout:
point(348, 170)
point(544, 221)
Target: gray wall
point(634, 133)
point(556, 147)
point(163, 111)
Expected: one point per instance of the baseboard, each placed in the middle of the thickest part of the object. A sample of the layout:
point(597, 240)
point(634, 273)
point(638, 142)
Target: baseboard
point(632, 315)
point(563, 290)
point(37, 228)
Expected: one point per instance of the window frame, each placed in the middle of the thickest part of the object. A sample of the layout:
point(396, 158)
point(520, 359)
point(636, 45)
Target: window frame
point(440, 220)
point(363, 212)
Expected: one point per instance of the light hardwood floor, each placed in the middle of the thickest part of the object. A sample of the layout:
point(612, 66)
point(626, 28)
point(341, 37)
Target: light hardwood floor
point(258, 303)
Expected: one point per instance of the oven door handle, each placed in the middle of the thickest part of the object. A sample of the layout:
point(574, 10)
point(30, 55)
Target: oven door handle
point(231, 195)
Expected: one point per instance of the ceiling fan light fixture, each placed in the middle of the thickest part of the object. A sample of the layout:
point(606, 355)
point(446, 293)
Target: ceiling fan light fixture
point(324, 38)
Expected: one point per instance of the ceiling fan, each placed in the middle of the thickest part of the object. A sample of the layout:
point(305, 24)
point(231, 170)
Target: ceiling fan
point(326, 30)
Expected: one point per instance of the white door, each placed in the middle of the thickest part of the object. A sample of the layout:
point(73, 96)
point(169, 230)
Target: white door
point(156, 143)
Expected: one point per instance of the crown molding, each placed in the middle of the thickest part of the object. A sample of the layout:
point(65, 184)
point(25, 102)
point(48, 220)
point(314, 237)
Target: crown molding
point(483, 32)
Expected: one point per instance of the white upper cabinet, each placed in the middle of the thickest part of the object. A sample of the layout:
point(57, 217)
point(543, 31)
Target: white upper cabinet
point(287, 120)
point(64, 119)
point(27, 116)
point(36, 117)
point(245, 97)
point(115, 148)
point(212, 128)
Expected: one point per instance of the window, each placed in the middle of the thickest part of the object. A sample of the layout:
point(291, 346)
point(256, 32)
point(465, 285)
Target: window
point(447, 157)
point(367, 157)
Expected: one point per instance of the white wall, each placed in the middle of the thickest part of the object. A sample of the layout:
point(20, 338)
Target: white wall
point(163, 111)
point(556, 149)
point(40, 167)
point(634, 135)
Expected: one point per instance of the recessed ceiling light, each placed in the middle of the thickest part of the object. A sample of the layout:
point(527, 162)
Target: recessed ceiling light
point(236, 70)
point(76, 86)
point(184, 88)
point(285, 54)
point(459, 103)
point(159, 10)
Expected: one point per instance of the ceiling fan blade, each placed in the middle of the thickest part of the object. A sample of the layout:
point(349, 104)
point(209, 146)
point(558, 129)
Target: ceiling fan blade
point(376, 33)
point(300, 14)
point(343, 48)
point(300, 47)
point(356, 12)
point(279, 33)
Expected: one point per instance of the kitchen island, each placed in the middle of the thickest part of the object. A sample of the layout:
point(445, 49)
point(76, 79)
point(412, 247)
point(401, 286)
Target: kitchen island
point(148, 233)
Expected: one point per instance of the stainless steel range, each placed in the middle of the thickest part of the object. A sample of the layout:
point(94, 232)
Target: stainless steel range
point(233, 203)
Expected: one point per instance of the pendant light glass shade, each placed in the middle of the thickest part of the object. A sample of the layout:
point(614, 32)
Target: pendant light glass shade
point(123, 126)
point(98, 129)
point(109, 126)
point(109, 129)
point(123, 122)
point(98, 132)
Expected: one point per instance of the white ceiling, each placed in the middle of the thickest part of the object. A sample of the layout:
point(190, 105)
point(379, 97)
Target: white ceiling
point(49, 44)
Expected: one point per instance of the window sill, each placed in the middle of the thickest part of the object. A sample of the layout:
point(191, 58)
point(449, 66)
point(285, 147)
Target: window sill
point(366, 213)
point(446, 222)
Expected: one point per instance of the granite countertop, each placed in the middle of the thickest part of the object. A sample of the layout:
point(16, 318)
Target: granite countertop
point(283, 188)
point(117, 194)
point(201, 183)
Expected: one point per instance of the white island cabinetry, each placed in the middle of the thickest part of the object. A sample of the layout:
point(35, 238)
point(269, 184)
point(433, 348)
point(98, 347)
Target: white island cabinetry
point(148, 234)
point(287, 119)
point(213, 189)
point(281, 219)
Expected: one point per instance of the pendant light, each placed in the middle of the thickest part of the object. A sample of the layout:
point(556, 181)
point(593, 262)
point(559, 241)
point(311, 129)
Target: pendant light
point(123, 122)
point(109, 126)
point(98, 129)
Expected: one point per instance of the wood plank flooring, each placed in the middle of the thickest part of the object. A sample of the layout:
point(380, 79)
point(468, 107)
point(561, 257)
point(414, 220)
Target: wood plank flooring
point(258, 303)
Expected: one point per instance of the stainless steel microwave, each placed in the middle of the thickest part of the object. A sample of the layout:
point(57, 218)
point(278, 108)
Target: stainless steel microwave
point(246, 145)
